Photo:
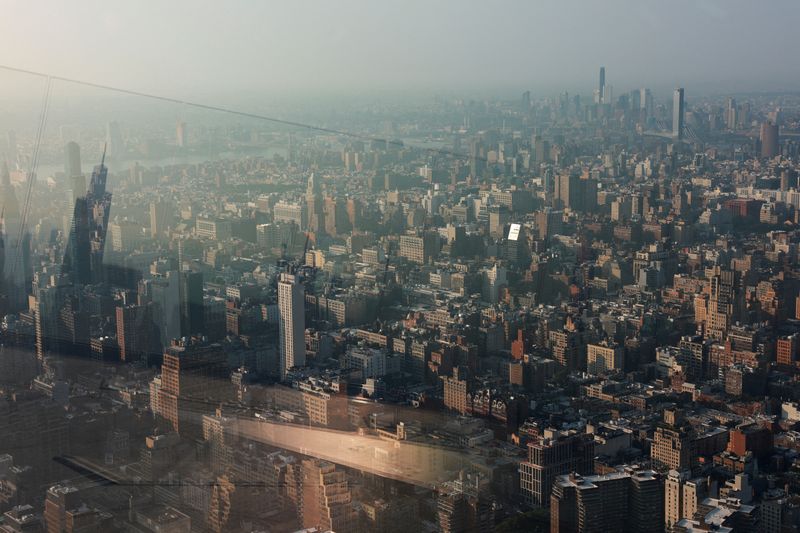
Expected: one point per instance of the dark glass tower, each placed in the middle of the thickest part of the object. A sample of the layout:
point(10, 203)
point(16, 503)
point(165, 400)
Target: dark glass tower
point(83, 258)
point(191, 295)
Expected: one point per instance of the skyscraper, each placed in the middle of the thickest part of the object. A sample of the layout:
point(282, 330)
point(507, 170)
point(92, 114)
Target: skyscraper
point(731, 114)
point(673, 497)
point(646, 105)
point(72, 160)
point(76, 181)
point(770, 139)
point(477, 161)
point(14, 246)
point(160, 216)
point(134, 324)
point(601, 88)
point(165, 294)
point(193, 371)
point(678, 111)
point(291, 321)
point(191, 295)
point(50, 299)
point(180, 134)
point(290, 149)
point(315, 207)
point(83, 258)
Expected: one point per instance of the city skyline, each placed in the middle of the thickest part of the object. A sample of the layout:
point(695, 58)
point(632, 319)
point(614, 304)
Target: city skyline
point(352, 267)
point(296, 55)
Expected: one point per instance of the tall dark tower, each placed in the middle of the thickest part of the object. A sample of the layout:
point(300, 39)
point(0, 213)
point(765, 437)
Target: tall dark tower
point(83, 258)
point(14, 248)
point(191, 303)
point(678, 113)
point(601, 88)
point(72, 161)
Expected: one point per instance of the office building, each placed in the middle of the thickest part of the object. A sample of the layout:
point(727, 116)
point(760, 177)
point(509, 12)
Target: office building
point(464, 504)
point(623, 501)
point(456, 389)
point(420, 248)
point(160, 217)
point(193, 370)
point(604, 357)
point(126, 235)
point(191, 303)
point(290, 212)
point(553, 454)
point(215, 229)
point(72, 161)
point(731, 114)
point(577, 193)
point(134, 332)
point(672, 447)
point(770, 140)
point(549, 223)
point(498, 219)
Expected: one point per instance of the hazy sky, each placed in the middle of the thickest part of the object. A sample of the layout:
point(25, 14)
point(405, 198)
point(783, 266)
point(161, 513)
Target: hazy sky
point(192, 48)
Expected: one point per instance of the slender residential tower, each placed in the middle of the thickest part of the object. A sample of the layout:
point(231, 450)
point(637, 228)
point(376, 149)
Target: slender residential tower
point(291, 317)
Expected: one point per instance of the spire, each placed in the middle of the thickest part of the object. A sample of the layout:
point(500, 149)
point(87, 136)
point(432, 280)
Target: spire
point(97, 186)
